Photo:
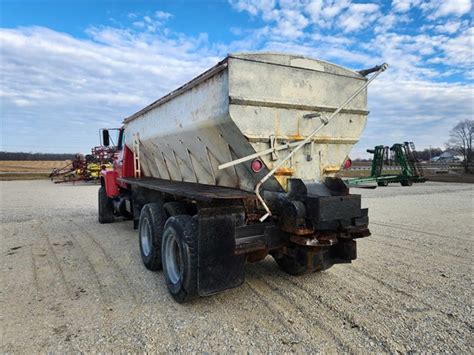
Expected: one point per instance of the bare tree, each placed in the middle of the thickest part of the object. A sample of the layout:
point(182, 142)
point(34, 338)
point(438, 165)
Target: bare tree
point(460, 141)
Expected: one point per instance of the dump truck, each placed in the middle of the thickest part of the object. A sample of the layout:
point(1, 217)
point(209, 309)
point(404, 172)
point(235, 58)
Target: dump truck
point(238, 164)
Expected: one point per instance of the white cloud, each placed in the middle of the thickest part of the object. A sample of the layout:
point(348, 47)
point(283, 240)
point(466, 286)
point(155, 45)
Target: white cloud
point(65, 88)
point(290, 18)
point(290, 23)
point(413, 56)
point(323, 12)
point(404, 5)
point(79, 85)
point(413, 110)
point(358, 16)
point(333, 8)
point(434, 8)
point(450, 27)
point(332, 39)
point(459, 50)
point(253, 7)
point(153, 23)
point(448, 7)
point(313, 9)
point(388, 22)
point(163, 15)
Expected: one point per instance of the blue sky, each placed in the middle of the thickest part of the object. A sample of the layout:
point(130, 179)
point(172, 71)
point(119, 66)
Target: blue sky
point(69, 68)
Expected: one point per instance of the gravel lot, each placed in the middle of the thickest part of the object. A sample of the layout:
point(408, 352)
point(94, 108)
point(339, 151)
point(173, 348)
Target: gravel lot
point(71, 284)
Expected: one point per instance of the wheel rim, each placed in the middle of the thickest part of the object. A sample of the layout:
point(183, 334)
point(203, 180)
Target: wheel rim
point(173, 260)
point(146, 237)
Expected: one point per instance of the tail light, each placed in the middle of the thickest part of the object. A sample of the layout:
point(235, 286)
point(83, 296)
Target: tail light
point(256, 165)
point(347, 164)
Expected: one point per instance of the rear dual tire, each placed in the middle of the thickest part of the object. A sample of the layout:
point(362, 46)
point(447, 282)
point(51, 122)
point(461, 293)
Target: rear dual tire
point(170, 244)
point(406, 183)
point(150, 231)
point(179, 251)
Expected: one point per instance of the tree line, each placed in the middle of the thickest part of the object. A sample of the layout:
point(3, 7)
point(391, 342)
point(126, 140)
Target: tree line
point(427, 154)
point(35, 156)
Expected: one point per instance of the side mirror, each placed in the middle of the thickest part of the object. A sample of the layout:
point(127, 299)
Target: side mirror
point(105, 137)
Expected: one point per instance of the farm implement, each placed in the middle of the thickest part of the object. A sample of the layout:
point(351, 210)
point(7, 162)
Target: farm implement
point(401, 156)
point(84, 168)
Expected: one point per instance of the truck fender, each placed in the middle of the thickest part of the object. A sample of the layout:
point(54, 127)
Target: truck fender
point(109, 181)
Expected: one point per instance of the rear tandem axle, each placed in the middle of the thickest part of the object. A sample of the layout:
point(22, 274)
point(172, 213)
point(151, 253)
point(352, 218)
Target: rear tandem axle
point(202, 236)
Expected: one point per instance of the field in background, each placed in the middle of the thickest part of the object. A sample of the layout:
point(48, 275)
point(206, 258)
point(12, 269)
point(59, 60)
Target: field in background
point(37, 169)
point(28, 169)
point(70, 284)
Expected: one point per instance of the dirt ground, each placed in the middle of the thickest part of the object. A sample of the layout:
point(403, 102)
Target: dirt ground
point(40, 166)
point(71, 284)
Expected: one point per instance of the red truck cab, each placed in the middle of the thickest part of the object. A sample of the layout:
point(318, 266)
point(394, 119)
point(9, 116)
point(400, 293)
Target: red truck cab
point(122, 164)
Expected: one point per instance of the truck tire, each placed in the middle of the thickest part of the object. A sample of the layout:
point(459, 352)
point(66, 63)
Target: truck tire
point(180, 257)
point(106, 207)
point(382, 183)
point(406, 182)
point(150, 232)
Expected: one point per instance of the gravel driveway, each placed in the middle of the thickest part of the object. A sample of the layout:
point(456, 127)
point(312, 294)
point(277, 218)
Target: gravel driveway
point(71, 284)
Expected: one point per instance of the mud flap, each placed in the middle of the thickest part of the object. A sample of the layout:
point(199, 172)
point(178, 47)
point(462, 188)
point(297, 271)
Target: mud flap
point(218, 268)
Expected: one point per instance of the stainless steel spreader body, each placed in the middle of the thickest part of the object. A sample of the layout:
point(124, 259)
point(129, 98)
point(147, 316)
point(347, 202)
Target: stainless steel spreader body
point(246, 104)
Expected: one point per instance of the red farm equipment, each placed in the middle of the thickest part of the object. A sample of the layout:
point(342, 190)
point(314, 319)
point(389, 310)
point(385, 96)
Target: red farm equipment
point(85, 168)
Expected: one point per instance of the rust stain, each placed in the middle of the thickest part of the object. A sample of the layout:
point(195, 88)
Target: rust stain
point(283, 174)
point(331, 169)
point(284, 171)
point(295, 137)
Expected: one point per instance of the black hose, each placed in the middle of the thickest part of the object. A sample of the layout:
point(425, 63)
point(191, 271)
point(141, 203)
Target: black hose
point(366, 72)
